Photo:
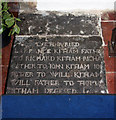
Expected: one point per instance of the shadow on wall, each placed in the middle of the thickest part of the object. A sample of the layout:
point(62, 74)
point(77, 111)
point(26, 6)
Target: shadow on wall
point(115, 6)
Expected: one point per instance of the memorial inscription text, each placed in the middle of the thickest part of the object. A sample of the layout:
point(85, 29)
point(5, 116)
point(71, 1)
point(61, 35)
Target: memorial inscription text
point(67, 65)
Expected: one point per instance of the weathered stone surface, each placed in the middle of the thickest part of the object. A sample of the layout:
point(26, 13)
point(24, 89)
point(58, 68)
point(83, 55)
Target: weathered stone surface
point(58, 23)
point(57, 65)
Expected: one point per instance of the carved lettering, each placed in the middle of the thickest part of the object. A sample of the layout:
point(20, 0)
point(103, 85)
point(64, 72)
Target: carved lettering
point(56, 65)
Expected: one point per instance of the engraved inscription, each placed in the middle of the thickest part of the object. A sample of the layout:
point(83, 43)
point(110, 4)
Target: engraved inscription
point(57, 65)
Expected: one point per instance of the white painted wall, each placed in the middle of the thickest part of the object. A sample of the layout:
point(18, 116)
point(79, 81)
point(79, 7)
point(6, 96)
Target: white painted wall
point(75, 4)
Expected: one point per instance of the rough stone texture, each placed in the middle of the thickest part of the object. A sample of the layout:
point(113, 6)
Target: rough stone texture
point(58, 23)
point(38, 47)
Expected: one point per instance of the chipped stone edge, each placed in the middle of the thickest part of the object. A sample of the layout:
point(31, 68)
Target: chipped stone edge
point(101, 31)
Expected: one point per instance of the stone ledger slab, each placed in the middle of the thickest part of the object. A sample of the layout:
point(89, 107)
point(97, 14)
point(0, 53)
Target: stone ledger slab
point(48, 23)
point(57, 65)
